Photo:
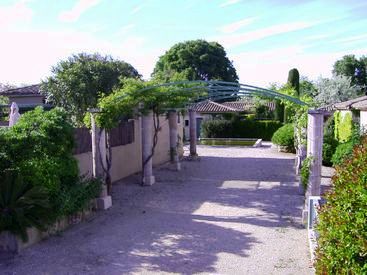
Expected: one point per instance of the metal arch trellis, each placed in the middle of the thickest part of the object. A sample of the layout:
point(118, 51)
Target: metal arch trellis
point(217, 90)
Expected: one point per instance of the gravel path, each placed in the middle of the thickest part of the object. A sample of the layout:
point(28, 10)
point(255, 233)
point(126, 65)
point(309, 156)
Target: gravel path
point(234, 211)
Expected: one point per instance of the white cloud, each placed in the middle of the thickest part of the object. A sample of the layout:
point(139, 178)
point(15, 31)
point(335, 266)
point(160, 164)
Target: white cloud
point(125, 29)
point(235, 26)
point(19, 12)
point(229, 3)
point(137, 9)
point(79, 8)
point(233, 40)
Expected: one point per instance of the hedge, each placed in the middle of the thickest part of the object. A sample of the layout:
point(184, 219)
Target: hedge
point(342, 226)
point(247, 128)
point(284, 136)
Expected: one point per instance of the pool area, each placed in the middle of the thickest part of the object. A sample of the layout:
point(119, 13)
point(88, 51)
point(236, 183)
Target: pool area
point(250, 142)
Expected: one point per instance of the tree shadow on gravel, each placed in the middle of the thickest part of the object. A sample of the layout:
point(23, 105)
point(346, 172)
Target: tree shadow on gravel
point(182, 224)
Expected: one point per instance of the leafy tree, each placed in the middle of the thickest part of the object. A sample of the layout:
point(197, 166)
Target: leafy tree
point(198, 60)
point(78, 82)
point(352, 67)
point(336, 89)
point(307, 87)
point(293, 80)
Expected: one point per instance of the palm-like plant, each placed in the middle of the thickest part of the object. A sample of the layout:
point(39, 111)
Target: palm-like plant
point(21, 205)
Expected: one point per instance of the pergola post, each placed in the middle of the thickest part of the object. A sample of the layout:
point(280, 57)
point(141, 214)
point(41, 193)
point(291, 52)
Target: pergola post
point(314, 149)
point(99, 161)
point(193, 137)
point(173, 139)
point(147, 145)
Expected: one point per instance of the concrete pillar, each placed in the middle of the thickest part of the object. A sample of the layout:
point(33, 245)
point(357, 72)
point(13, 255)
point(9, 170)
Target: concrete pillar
point(147, 145)
point(173, 139)
point(315, 132)
point(193, 137)
point(99, 161)
point(98, 149)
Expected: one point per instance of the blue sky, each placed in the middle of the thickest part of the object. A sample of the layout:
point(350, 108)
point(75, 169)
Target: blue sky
point(264, 38)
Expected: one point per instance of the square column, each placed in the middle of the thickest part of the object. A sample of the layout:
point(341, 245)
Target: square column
point(193, 138)
point(99, 161)
point(173, 139)
point(147, 145)
point(315, 133)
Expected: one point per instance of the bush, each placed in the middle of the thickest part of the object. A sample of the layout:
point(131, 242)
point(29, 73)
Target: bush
point(284, 136)
point(40, 147)
point(305, 172)
point(247, 128)
point(344, 150)
point(342, 223)
point(329, 142)
point(343, 126)
point(21, 205)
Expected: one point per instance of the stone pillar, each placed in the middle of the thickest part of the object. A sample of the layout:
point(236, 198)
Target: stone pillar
point(147, 145)
point(315, 132)
point(193, 137)
point(99, 161)
point(173, 139)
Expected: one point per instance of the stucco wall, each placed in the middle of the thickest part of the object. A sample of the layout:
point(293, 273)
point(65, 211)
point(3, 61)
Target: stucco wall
point(363, 120)
point(127, 159)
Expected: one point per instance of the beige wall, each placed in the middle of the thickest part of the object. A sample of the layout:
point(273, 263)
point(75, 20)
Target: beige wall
point(85, 163)
point(127, 159)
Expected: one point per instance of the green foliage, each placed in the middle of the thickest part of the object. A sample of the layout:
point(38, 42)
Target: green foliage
point(305, 172)
point(78, 82)
point(198, 60)
point(40, 147)
point(21, 205)
point(279, 110)
point(284, 136)
point(352, 67)
point(344, 150)
point(293, 80)
point(307, 87)
point(342, 223)
point(329, 142)
point(343, 126)
point(247, 128)
point(134, 99)
point(336, 89)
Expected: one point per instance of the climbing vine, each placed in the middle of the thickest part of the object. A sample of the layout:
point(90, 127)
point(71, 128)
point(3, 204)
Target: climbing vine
point(138, 98)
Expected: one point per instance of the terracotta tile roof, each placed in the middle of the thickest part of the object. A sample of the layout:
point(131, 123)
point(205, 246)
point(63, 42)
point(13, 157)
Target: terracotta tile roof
point(239, 105)
point(227, 107)
point(27, 90)
point(359, 103)
point(213, 107)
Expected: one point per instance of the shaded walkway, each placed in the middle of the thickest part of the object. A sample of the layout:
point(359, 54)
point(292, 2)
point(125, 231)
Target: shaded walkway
point(236, 211)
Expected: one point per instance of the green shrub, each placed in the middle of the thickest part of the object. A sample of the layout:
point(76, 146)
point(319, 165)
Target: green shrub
point(329, 142)
point(342, 226)
point(343, 126)
point(40, 147)
point(344, 150)
point(21, 205)
point(284, 136)
point(247, 128)
point(305, 172)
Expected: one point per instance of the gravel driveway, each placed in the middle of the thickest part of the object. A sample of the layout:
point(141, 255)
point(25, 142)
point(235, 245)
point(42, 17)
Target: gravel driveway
point(234, 211)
